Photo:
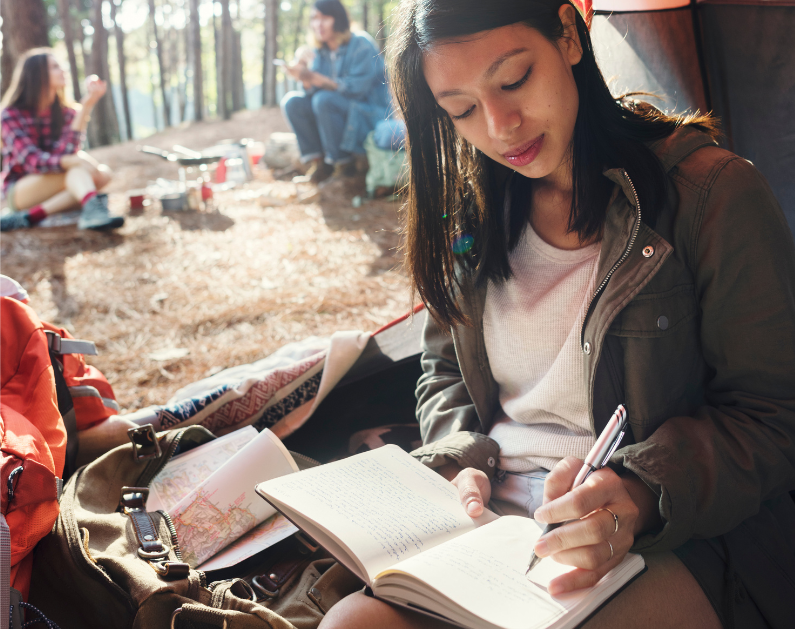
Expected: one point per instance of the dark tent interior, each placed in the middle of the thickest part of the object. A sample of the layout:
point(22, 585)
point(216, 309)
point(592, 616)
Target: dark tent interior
point(732, 57)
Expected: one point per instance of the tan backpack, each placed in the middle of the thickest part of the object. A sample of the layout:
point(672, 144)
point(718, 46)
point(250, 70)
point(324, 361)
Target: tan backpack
point(110, 563)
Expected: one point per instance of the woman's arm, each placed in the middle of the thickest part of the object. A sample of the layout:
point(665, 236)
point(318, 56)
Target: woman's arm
point(712, 470)
point(449, 423)
point(70, 141)
point(701, 476)
point(95, 89)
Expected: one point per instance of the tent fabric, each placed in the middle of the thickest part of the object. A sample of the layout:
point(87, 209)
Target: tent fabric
point(751, 69)
point(652, 52)
point(732, 57)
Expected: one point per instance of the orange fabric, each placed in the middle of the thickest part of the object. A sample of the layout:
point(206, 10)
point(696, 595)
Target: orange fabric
point(32, 434)
point(88, 410)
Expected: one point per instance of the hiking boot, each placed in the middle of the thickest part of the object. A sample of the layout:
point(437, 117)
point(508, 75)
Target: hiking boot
point(95, 215)
point(318, 171)
point(17, 220)
point(343, 173)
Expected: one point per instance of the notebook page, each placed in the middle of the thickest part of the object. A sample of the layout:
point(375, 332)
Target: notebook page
point(383, 505)
point(482, 577)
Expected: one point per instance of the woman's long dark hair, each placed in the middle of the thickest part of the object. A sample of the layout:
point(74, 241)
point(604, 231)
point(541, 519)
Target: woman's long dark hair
point(451, 214)
point(31, 79)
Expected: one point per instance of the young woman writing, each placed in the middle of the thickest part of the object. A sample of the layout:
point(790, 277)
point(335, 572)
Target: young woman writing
point(578, 251)
point(44, 171)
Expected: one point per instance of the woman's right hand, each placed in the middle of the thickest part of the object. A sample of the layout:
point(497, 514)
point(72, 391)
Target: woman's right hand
point(95, 89)
point(474, 490)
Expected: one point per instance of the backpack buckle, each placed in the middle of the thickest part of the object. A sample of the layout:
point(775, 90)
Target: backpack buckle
point(59, 345)
point(145, 443)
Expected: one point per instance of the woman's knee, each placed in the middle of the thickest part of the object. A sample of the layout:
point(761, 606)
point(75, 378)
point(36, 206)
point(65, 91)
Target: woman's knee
point(102, 176)
point(294, 103)
point(357, 611)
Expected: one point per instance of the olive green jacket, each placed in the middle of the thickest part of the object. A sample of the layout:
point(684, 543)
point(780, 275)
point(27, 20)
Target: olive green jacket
point(693, 328)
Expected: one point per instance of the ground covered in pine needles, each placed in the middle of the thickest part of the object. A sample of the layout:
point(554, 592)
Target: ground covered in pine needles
point(173, 297)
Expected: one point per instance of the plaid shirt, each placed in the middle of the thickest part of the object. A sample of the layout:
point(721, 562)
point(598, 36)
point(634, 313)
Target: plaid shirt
point(28, 147)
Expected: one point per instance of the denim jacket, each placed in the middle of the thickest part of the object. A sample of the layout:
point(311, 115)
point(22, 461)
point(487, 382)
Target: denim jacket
point(693, 328)
point(358, 69)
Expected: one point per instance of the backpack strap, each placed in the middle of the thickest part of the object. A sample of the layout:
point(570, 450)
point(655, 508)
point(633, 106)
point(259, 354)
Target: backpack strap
point(59, 345)
point(150, 547)
point(67, 410)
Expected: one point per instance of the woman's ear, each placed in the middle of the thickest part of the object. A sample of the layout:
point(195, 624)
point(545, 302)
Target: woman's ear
point(570, 44)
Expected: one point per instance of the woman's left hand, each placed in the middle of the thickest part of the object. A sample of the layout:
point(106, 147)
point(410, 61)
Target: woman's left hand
point(595, 541)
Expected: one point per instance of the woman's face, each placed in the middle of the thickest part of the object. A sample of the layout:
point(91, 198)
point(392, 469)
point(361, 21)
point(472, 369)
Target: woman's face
point(57, 78)
point(511, 93)
point(322, 26)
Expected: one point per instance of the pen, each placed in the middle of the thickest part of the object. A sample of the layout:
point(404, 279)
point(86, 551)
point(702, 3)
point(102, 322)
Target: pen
point(599, 455)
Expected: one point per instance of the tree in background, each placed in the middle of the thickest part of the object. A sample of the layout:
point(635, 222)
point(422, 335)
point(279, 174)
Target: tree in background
point(195, 45)
point(161, 66)
point(104, 126)
point(122, 61)
point(67, 24)
point(226, 50)
point(271, 53)
point(25, 26)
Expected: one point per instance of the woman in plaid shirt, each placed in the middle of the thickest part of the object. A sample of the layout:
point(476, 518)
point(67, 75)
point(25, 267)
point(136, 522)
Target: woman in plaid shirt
point(44, 171)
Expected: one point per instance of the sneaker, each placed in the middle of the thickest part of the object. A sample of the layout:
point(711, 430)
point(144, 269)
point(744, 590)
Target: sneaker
point(17, 220)
point(95, 215)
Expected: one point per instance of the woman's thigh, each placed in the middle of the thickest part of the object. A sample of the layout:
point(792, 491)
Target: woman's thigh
point(33, 189)
point(666, 595)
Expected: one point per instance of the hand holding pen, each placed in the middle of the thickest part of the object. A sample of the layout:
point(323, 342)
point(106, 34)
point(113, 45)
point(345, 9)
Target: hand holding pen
point(600, 515)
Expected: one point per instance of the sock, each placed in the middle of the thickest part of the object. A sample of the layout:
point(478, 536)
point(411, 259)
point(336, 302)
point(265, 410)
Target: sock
point(36, 214)
point(90, 195)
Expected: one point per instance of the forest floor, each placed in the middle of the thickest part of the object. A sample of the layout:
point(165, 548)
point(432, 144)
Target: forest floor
point(173, 297)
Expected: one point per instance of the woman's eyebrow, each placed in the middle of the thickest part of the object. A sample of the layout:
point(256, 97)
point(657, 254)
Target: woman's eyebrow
point(490, 72)
point(500, 60)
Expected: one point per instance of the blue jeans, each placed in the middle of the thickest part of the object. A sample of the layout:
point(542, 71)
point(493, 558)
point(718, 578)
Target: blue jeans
point(319, 124)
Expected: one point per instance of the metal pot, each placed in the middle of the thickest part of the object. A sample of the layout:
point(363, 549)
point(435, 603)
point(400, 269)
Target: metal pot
point(175, 201)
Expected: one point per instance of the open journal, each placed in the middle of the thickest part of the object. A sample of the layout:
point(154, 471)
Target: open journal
point(209, 494)
point(401, 527)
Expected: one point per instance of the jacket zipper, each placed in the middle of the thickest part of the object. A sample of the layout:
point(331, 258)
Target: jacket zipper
point(618, 263)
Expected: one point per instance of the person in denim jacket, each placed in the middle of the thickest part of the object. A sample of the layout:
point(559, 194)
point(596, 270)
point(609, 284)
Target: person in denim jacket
point(344, 96)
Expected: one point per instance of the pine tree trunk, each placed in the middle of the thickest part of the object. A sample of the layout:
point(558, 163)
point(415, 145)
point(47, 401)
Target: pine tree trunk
point(104, 126)
point(227, 60)
point(220, 100)
point(125, 97)
point(380, 32)
point(196, 59)
point(25, 25)
point(68, 39)
point(239, 87)
point(161, 66)
point(364, 15)
point(271, 50)
point(173, 64)
point(299, 26)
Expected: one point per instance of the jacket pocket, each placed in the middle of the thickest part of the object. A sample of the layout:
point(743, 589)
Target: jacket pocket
point(656, 314)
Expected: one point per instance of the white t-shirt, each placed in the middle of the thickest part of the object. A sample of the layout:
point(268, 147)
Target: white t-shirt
point(532, 325)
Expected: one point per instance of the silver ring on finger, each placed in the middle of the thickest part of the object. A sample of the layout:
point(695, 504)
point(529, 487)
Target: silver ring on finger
point(611, 549)
point(615, 518)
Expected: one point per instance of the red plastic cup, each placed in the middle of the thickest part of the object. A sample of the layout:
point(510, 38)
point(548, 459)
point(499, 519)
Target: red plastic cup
point(137, 200)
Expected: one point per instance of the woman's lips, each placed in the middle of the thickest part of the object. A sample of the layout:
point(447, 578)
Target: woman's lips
point(525, 154)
